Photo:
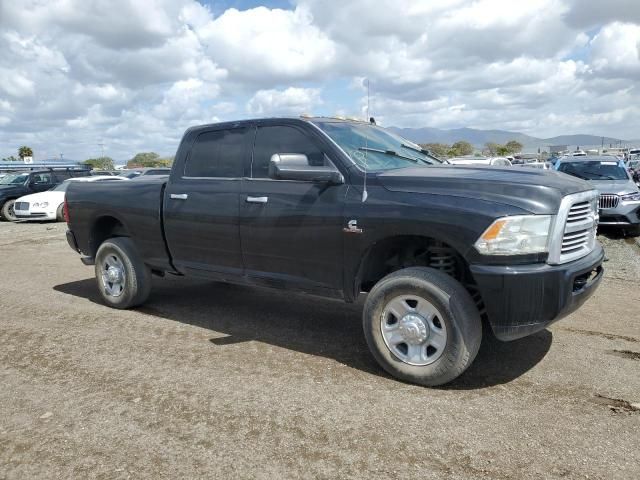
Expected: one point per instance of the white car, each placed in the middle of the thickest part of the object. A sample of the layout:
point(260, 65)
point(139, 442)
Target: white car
point(48, 205)
point(492, 161)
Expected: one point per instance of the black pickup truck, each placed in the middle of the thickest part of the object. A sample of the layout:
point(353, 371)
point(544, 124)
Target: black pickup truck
point(341, 208)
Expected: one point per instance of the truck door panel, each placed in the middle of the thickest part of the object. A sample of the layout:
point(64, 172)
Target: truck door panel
point(201, 204)
point(293, 234)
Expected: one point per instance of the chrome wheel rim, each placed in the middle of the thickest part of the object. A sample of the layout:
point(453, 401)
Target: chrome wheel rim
point(413, 330)
point(113, 275)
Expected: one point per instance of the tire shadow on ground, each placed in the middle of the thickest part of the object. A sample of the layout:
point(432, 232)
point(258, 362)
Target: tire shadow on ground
point(307, 324)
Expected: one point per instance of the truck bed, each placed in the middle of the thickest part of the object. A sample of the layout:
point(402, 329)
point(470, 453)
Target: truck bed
point(134, 207)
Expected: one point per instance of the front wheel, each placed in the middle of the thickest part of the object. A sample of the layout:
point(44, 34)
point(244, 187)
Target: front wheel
point(422, 326)
point(8, 212)
point(124, 281)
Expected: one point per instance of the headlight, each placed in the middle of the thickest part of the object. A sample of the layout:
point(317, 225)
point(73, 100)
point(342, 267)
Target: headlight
point(44, 204)
point(517, 235)
point(634, 197)
point(36, 204)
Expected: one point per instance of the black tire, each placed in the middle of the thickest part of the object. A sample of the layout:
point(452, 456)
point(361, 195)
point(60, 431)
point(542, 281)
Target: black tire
point(60, 213)
point(8, 212)
point(137, 276)
point(633, 231)
point(456, 309)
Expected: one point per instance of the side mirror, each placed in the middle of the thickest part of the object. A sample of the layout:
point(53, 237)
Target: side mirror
point(295, 166)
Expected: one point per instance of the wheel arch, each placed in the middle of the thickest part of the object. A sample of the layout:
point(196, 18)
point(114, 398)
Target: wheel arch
point(396, 252)
point(103, 228)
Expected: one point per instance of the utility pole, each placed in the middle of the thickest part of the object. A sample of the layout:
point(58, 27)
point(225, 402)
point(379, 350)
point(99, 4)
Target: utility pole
point(101, 145)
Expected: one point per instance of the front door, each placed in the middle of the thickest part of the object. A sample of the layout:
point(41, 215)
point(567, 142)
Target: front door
point(41, 182)
point(201, 204)
point(291, 231)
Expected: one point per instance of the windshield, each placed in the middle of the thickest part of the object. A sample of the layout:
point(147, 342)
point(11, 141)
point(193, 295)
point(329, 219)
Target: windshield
point(375, 148)
point(595, 170)
point(14, 179)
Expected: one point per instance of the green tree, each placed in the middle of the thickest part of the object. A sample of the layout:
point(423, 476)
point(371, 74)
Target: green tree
point(10, 159)
point(438, 149)
point(100, 163)
point(491, 148)
point(502, 150)
point(149, 159)
point(25, 151)
point(461, 148)
point(514, 146)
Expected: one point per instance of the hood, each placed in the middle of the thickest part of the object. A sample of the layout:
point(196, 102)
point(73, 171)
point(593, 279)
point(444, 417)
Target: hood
point(9, 189)
point(615, 187)
point(50, 197)
point(537, 191)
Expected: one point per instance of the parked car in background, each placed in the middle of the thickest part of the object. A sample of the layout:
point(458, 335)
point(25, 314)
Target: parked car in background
point(48, 205)
point(104, 172)
point(619, 203)
point(633, 165)
point(142, 172)
point(538, 165)
point(490, 161)
point(18, 184)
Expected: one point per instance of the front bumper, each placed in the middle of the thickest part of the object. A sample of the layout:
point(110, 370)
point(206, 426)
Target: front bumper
point(627, 213)
point(27, 215)
point(523, 299)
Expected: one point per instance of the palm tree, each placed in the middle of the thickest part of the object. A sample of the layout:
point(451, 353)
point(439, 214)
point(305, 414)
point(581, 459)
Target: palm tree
point(25, 151)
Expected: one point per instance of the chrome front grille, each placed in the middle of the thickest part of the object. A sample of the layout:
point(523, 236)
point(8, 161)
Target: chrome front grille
point(579, 212)
point(609, 201)
point(574, 231)
point(575, 241)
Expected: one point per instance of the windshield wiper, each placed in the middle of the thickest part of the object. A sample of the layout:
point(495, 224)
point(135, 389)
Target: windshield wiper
point(392, 153)
point(608, 177)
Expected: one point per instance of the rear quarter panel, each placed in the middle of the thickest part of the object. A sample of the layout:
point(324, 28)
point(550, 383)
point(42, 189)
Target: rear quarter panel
point(136, 205)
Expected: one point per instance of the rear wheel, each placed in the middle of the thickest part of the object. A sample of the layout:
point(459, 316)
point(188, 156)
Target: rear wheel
point(60, 213)
point(7, 211)
point(124, 281)
point(422, 326)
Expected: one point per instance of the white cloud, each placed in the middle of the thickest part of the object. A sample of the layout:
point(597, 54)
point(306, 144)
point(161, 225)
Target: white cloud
point(135, 73)
point(292, 101)
point(615, 51)
point(264, 47)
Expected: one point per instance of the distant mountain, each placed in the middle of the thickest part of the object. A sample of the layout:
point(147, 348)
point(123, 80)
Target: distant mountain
point(478, 138)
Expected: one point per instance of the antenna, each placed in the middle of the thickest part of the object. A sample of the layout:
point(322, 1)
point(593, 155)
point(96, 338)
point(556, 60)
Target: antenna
point(365, 194)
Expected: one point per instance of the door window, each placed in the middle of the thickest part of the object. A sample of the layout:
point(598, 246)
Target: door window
point(218, 153)
point(282, 139)
point(41, 178)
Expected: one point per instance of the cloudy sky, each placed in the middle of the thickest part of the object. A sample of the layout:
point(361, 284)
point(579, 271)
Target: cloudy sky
point(133, 74)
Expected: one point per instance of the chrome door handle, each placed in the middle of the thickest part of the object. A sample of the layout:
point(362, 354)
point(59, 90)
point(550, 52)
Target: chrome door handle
point(257, 199)
point(179, 196)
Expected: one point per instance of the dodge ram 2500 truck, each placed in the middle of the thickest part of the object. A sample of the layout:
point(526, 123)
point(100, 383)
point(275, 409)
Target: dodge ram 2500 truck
point(341, 208)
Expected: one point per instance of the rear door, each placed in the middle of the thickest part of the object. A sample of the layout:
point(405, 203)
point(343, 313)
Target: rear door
point(291, 231)
point(201, 204)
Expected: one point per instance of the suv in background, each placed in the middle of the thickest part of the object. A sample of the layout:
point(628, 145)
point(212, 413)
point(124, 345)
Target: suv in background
point(18, 184)
point(619, 203)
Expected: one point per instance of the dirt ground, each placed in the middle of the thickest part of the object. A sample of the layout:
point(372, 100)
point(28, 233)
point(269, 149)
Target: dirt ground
point(218, 381)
